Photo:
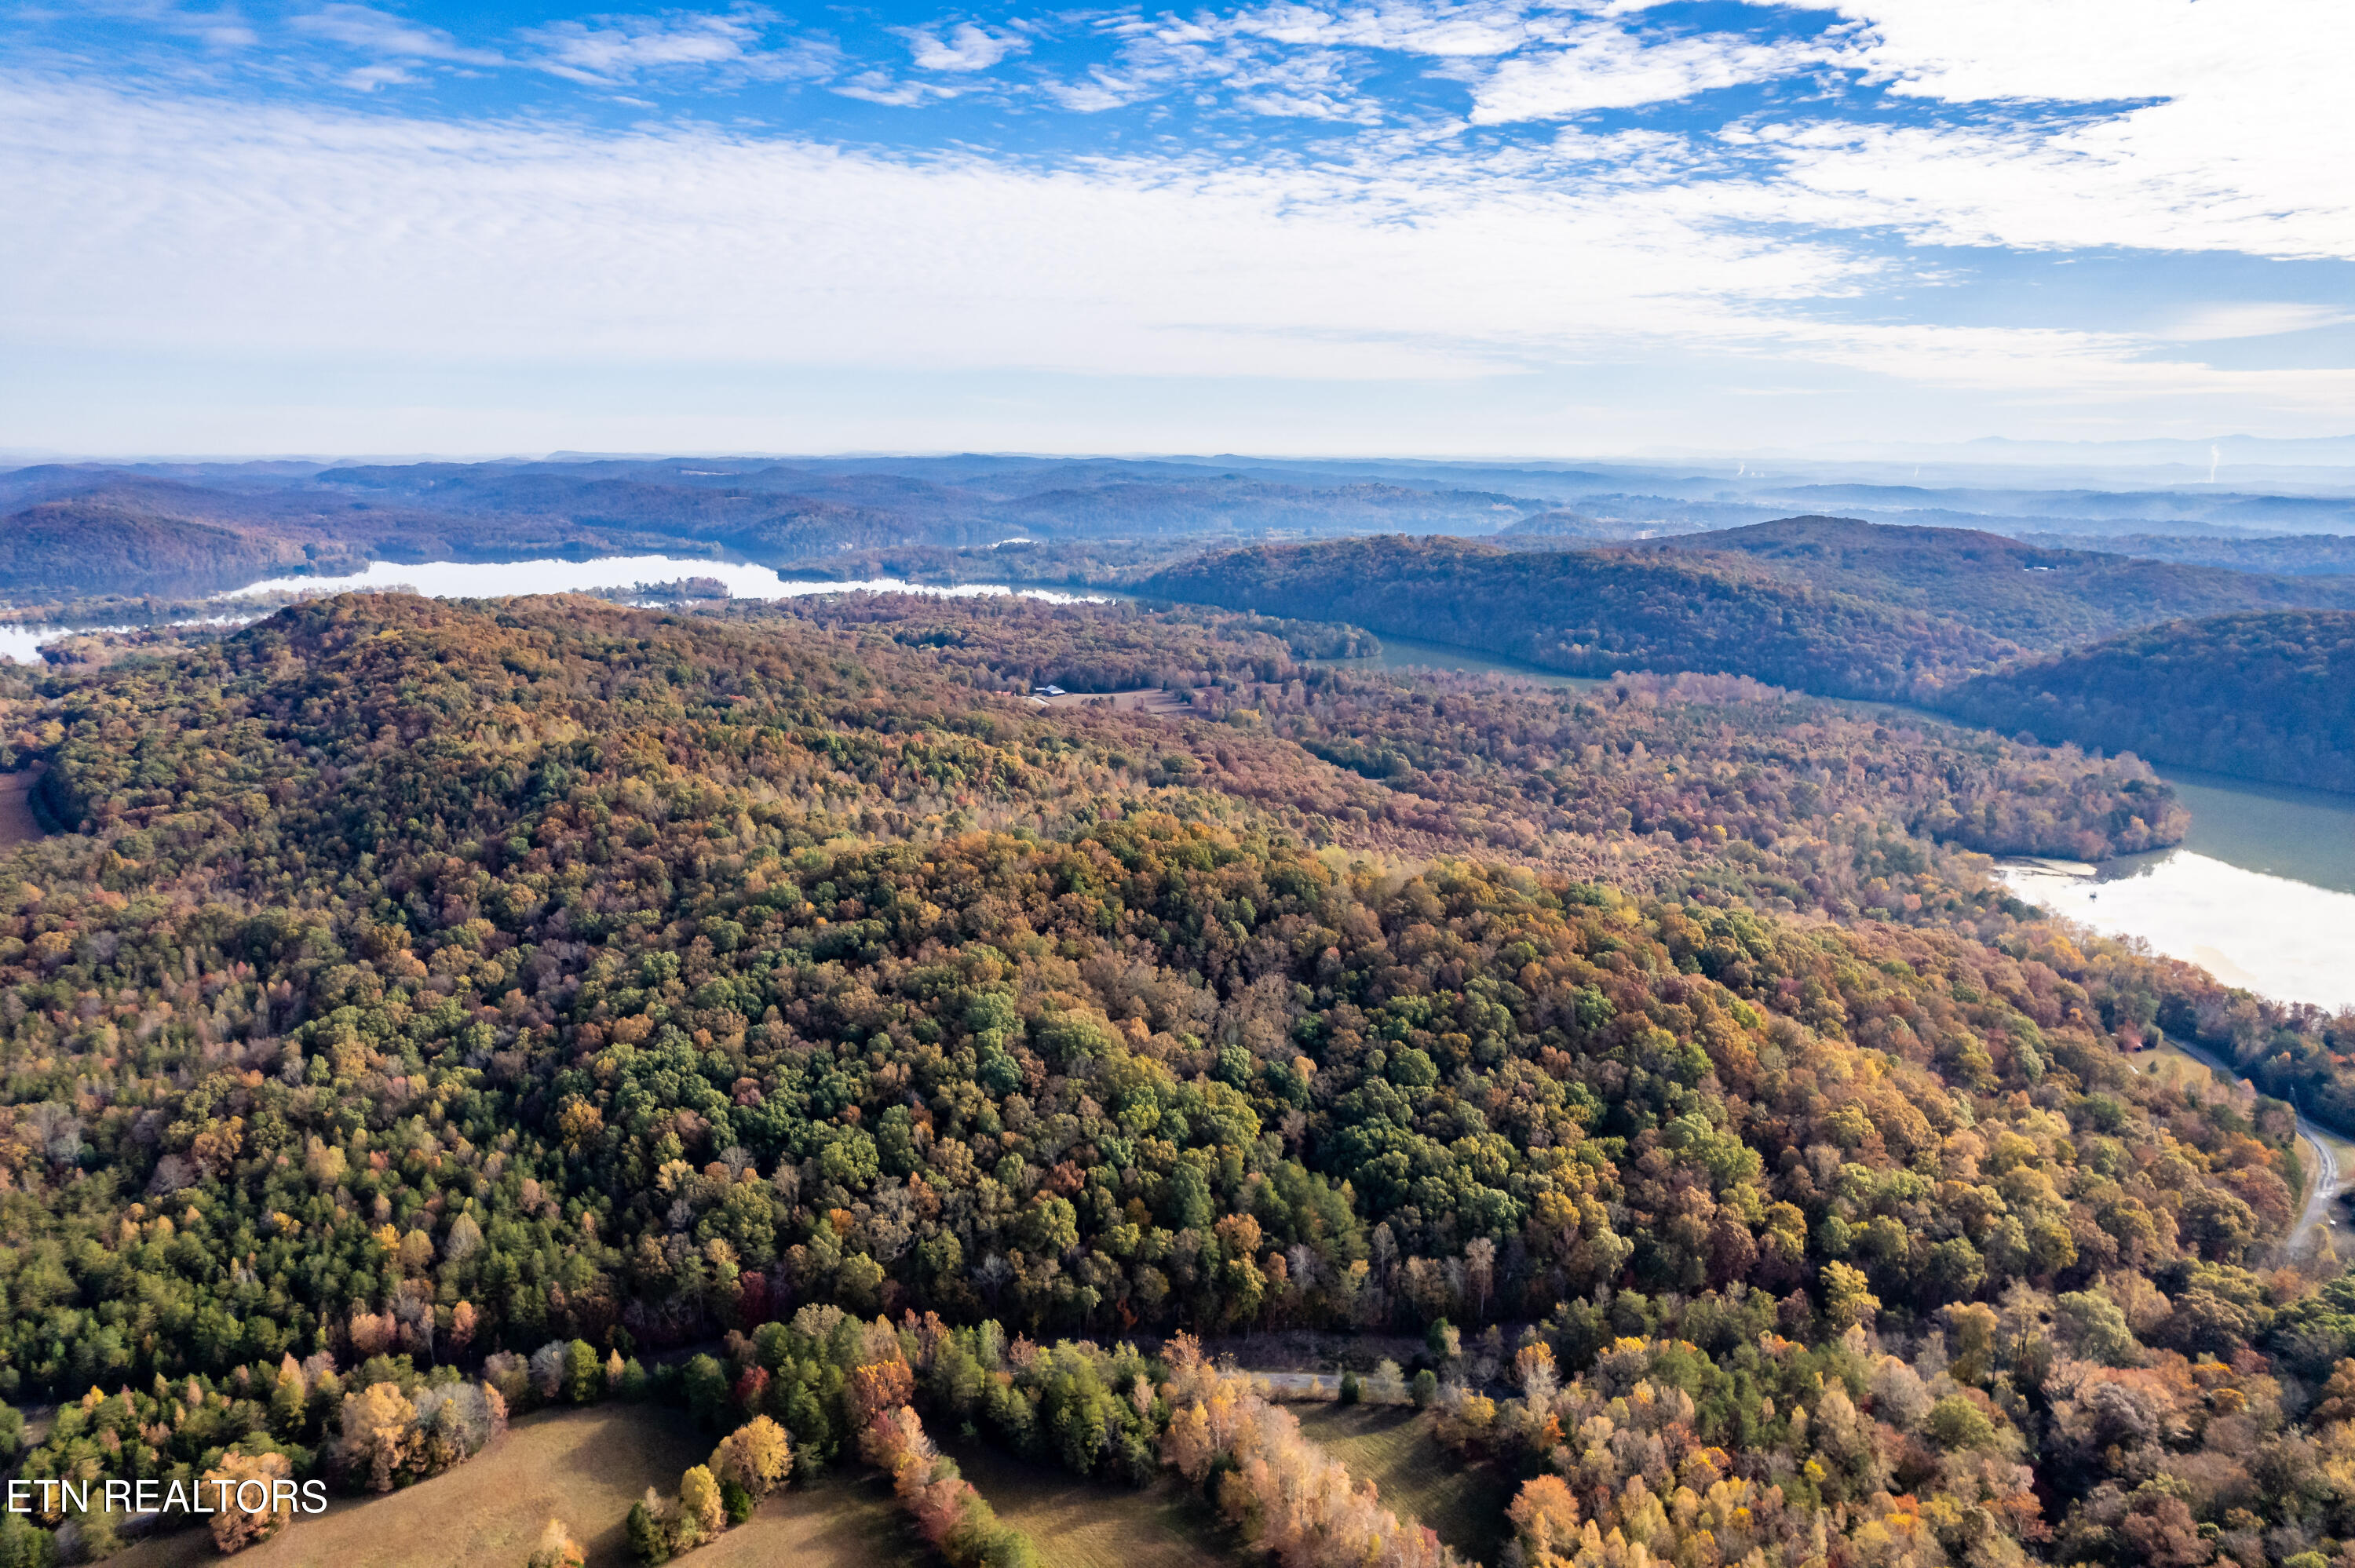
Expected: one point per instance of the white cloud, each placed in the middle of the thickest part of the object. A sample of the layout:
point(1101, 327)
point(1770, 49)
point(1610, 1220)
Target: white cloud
point(367, 78)
point(365, 28)
point(201, 228)
point(1099, 92)
point(969, 47)
point(2249, 318)
point(204, 223)
point(881, 87)
point(618, 49)
point(2217, 126)
point(207, 228)
point(1470, 31)
point(222, 27)
point(1600, 66)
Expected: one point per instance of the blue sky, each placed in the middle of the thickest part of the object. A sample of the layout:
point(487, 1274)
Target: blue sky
point(1403, 226)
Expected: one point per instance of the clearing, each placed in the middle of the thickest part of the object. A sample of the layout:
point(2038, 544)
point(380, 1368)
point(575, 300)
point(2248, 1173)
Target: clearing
point(17, 824)
point(1079, 1524)
point(1397, 1451)
point(1151, 700)
point(585, 1467)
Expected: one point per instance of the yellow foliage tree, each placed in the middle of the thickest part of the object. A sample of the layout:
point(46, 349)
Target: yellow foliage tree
point(556, 1549)
point(237, 1483)
point(378, 1437)
point(757, 1456)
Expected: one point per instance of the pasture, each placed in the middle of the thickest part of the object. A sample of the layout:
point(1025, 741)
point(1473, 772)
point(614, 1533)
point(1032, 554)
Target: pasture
point(585, 1467)
point(1395, 1449)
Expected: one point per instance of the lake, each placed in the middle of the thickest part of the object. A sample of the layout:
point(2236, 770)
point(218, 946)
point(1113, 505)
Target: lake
point(2260, 893)
point(23, 643)
point(481, 580)
point(494, 579)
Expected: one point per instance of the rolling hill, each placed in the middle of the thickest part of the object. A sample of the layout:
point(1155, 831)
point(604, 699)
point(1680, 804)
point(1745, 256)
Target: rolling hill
point(69, 548)
point(2029, 593)
point(2268, 696)
point(1591, 612)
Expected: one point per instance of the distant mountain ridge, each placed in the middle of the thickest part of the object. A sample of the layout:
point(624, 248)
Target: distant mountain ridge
point(2285, 555)
point(2032, 595)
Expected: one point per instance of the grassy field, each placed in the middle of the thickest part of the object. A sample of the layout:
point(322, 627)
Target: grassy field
point(586, 1467)
point(17, 825)
point(848, 1519)
point(1077, 1523)
point(1394, 1449)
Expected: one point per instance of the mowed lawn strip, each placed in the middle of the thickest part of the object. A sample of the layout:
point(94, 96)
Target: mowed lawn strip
point(1078, 1523)
point(1395, 1449)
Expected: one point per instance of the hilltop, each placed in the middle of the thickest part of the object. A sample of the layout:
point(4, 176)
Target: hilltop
point(2029, 593)
point(2266, 696)
point(87, 547)
point(1592, 612)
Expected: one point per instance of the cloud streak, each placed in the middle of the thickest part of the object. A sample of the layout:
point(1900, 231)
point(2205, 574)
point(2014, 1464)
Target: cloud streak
point(1397, 193)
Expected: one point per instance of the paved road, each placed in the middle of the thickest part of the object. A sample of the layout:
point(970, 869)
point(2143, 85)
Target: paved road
point(2329, 1182)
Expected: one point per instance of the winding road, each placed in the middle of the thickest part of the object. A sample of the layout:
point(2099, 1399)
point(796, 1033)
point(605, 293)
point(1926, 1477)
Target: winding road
point(2329, 1182)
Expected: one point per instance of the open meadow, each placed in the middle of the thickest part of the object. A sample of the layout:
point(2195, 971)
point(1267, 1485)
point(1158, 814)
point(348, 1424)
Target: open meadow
point(586, 1467)
point(17, 824)
point(1395, 1448)
point(1078, 1523)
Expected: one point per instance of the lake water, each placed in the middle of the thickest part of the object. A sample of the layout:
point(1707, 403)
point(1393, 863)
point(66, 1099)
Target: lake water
point(479, 580)
point(23, 643)
point(2260, 893)
point(476, 579)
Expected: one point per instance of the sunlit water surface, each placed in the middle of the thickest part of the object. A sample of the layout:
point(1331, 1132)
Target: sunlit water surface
point(491, 579)
point(2260, 893)
point(476, 579)
point(2286, 939)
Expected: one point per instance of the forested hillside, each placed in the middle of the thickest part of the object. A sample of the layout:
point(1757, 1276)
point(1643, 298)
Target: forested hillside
point(2287, 555)
point(433, 981)
point(2033, 596)
point(1594, 612)
point(2258, 696)
point(70, 548)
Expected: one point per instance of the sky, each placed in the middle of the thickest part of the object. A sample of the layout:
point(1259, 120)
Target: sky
point(1584, 228)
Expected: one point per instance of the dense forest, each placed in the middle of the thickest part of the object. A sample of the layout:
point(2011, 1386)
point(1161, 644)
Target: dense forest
point(2258, 696)
point(1596, 612)
point(2036, 596)
point(434, 1009)
point(70, 549)
point(1824, 604)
